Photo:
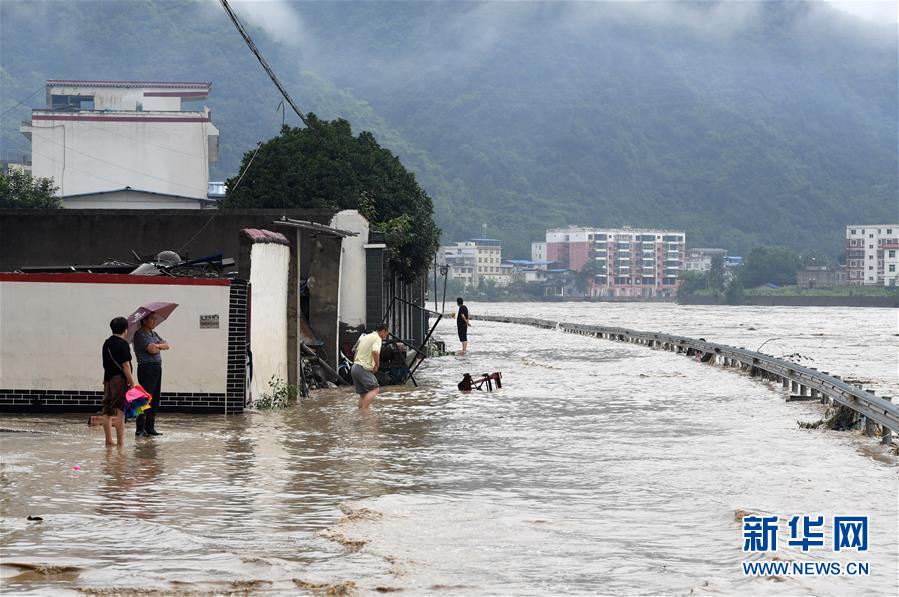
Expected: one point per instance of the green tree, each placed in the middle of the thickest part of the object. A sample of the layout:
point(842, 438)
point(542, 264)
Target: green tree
point(715, 275)
point(325, 166)
point(734, 294)
point(691, 281)
point(21, 190)
point(770, 264)
point(585, 277)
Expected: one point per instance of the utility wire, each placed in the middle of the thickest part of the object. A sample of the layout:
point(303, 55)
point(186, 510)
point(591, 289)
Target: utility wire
point(245, 170)
point(36, 91)
point(268, 69)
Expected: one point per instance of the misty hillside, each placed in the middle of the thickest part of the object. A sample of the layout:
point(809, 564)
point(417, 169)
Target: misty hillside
point(744, 124)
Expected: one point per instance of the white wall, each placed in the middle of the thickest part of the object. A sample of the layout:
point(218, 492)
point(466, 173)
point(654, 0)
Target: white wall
point(352, 267)
point(51, 333)
point(87, 156)
point(269, 263)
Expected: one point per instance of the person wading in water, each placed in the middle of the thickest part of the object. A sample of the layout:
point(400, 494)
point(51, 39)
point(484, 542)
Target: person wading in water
point(462, 324)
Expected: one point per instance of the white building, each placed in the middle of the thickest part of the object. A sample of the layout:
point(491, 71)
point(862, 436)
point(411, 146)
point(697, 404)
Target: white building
point(872, 254)
point(98, 136)
point(538, 252)
point(700, 259)
point(475, 261)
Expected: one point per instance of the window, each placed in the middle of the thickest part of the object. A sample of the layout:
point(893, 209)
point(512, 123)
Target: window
point(870, 256)
point(870, 267)
point(892, 253)
point(852, 231)
point(892, 267)
point(889, 230)
point(870, 236)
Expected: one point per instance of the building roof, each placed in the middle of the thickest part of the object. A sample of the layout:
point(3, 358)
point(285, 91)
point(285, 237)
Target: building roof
point(142, 192)
point(526, 262)
point(129, 84)
point(620, 230)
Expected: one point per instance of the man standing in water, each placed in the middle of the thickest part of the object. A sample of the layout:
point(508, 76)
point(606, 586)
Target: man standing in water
point(147, 348)
point(117, 379)
point(462, 324)
point(366, 363)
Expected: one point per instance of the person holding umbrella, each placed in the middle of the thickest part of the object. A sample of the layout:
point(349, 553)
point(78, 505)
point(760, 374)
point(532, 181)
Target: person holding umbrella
point(148, 346)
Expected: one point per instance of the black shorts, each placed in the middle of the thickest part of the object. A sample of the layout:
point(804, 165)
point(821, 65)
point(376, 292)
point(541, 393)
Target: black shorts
point(463, 333)
point(114, 395)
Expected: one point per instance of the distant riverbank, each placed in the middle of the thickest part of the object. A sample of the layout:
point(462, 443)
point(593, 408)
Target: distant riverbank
point(792, 296)
point(705, 299)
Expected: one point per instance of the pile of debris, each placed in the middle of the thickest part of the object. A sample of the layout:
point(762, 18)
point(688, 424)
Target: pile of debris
point(166, 263)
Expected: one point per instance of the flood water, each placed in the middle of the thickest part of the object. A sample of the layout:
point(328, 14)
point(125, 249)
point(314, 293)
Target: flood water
point(599, 468)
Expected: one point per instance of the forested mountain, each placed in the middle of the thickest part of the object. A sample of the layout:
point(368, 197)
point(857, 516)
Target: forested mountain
point(742, 123)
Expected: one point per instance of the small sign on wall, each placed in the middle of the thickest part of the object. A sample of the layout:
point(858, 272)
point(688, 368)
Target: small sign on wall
point(209, 322)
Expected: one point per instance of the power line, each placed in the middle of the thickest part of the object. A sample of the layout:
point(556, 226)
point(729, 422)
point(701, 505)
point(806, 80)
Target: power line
point(245, 170)
point(268, 70)
point(36, 91)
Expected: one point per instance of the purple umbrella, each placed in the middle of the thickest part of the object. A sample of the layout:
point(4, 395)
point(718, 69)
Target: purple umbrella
point(160, 310)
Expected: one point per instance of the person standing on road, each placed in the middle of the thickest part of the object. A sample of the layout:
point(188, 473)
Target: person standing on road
point(365, 365)
point(148, 347)
point(462, 324)
point(117, 379)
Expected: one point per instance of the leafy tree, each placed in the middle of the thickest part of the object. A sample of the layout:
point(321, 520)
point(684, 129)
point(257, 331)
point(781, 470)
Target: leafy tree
point(585, 277)
point(21, 190)
point(770, 264)
point(325, 166)
point(716, 274)
point(691, 281)
point(734, 294)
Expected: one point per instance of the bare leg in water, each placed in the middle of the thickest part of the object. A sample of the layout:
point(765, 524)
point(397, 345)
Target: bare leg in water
point(365, 399)
point(118, 421)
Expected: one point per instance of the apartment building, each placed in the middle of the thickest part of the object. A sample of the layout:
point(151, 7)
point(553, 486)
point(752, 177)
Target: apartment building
point(872, 254)
point(629, 262)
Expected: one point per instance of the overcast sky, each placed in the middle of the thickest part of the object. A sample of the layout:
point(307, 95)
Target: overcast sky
point(884, 11)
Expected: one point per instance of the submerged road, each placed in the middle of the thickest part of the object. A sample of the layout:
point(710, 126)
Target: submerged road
point(599, 468)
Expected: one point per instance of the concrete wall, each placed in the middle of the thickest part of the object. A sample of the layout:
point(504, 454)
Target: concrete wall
point(352, 268)
point(87, 152)
point(70, 236)
point(52, 328)
point(268, 315)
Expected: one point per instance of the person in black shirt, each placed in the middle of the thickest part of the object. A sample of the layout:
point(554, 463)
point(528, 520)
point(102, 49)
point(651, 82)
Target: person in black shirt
point(462, 324)
point(116, 380)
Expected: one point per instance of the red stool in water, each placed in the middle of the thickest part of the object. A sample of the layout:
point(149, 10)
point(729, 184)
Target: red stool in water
point(489, 379)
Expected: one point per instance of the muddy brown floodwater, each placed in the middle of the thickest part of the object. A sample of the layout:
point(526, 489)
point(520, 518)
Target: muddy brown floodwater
point(599, 468)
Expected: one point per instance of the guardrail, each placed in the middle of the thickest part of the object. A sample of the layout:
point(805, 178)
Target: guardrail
point(804, 383)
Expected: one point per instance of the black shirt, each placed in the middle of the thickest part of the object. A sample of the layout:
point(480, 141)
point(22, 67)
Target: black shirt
point(115, 352)
point(462, 323)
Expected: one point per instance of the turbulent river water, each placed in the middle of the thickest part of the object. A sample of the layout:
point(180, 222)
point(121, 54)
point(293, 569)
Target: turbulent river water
point(599, 468)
